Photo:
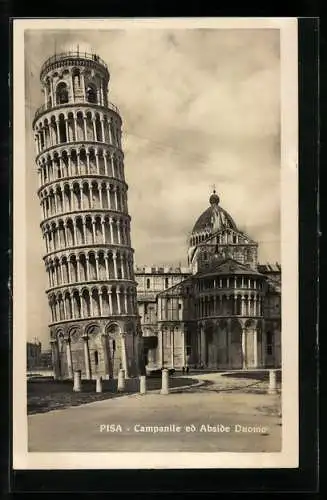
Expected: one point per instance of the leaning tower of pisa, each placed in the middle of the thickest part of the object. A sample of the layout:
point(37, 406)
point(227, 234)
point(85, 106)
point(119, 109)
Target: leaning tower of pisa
point(84, 220)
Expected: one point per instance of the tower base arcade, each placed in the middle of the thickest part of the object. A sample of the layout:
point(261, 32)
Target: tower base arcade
point(96, 347)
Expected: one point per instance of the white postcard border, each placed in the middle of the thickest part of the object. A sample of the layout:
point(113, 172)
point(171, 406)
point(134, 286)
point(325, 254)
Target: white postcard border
point(288, 457)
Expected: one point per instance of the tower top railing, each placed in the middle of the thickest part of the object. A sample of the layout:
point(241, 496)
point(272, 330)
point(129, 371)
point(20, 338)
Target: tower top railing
point(63, 56)
point(80, 100)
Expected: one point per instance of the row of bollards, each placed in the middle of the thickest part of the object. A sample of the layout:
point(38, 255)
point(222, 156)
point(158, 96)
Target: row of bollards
point(77, 387)
point(272, 388)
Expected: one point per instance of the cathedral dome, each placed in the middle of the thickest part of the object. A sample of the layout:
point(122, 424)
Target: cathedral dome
point(213, 218)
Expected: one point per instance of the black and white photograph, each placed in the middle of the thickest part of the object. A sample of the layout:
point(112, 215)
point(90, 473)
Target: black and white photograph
point(155, 243)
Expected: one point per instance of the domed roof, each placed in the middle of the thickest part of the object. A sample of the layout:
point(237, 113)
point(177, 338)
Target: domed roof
point(213, 218)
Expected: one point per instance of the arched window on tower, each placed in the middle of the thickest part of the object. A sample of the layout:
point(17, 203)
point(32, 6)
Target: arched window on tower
point(42, 140)
point(62, 129)
point(91, 93)
point(61, 93)
point(148, 283)
point(77, 77)
point(166, 282)
point(96, 358)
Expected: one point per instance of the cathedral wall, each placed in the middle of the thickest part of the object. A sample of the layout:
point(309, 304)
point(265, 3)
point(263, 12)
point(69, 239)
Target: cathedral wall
point(149, 282)
point(272, 305)
point(272, 338)
point(77, 349)
point(209, 253)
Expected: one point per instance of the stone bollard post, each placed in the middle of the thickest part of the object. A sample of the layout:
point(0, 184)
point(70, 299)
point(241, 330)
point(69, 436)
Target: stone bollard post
point(121, 380)
point(77, 381)
point(165, 382)
point(272, 382)
point(98, 386)
point(142, 384)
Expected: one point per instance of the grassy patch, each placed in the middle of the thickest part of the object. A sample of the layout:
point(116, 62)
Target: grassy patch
point(46, 394)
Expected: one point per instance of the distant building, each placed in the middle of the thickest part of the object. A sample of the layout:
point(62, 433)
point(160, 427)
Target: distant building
point(46, 359)
point(223, 312)
point(33, 353)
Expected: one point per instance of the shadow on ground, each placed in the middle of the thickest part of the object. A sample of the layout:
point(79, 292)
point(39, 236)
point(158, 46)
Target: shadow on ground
point(45, 394)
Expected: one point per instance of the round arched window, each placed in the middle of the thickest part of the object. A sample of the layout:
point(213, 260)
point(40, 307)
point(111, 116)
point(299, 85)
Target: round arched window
point(91, 93)
point(62, 93)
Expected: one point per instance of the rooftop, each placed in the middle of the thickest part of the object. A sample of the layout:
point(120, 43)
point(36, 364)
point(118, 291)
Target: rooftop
point(161, 270)
point(269, 268)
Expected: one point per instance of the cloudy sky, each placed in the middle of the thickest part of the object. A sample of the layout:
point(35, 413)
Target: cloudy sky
point(199, 107)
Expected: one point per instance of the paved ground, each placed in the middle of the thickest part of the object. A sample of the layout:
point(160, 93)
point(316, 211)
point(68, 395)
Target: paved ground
point(220, 403)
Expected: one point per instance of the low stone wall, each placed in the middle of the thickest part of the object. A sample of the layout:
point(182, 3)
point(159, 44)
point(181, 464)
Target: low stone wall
point(40, 373)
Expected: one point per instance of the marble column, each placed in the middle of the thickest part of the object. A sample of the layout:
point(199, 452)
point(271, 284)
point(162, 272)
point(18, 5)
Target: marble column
point(101, 303)
point(255, 347)
point(160, 345)
point(107, 265)
point(124, 355)
point(55, 359)
point(203, 347)
point(198, 339)
point(69, 358)
point(115, 266)
point(102, 132)
point(106, 356)
point(244, 361)
point(111, 230)
point(87, 358)
point(242, 305)
point(110, 302)
point(184, 336)
point(118, 301)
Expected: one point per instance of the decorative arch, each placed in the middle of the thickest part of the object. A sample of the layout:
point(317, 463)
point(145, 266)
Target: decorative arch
point(59, 333)
point(74, 333)
point(92, 329)
point(112, 329)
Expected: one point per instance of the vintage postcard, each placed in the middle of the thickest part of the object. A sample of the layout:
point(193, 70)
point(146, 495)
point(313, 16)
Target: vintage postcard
point(155, 320)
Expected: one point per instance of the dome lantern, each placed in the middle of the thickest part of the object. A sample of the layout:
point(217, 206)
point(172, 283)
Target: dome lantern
point(214, 198)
